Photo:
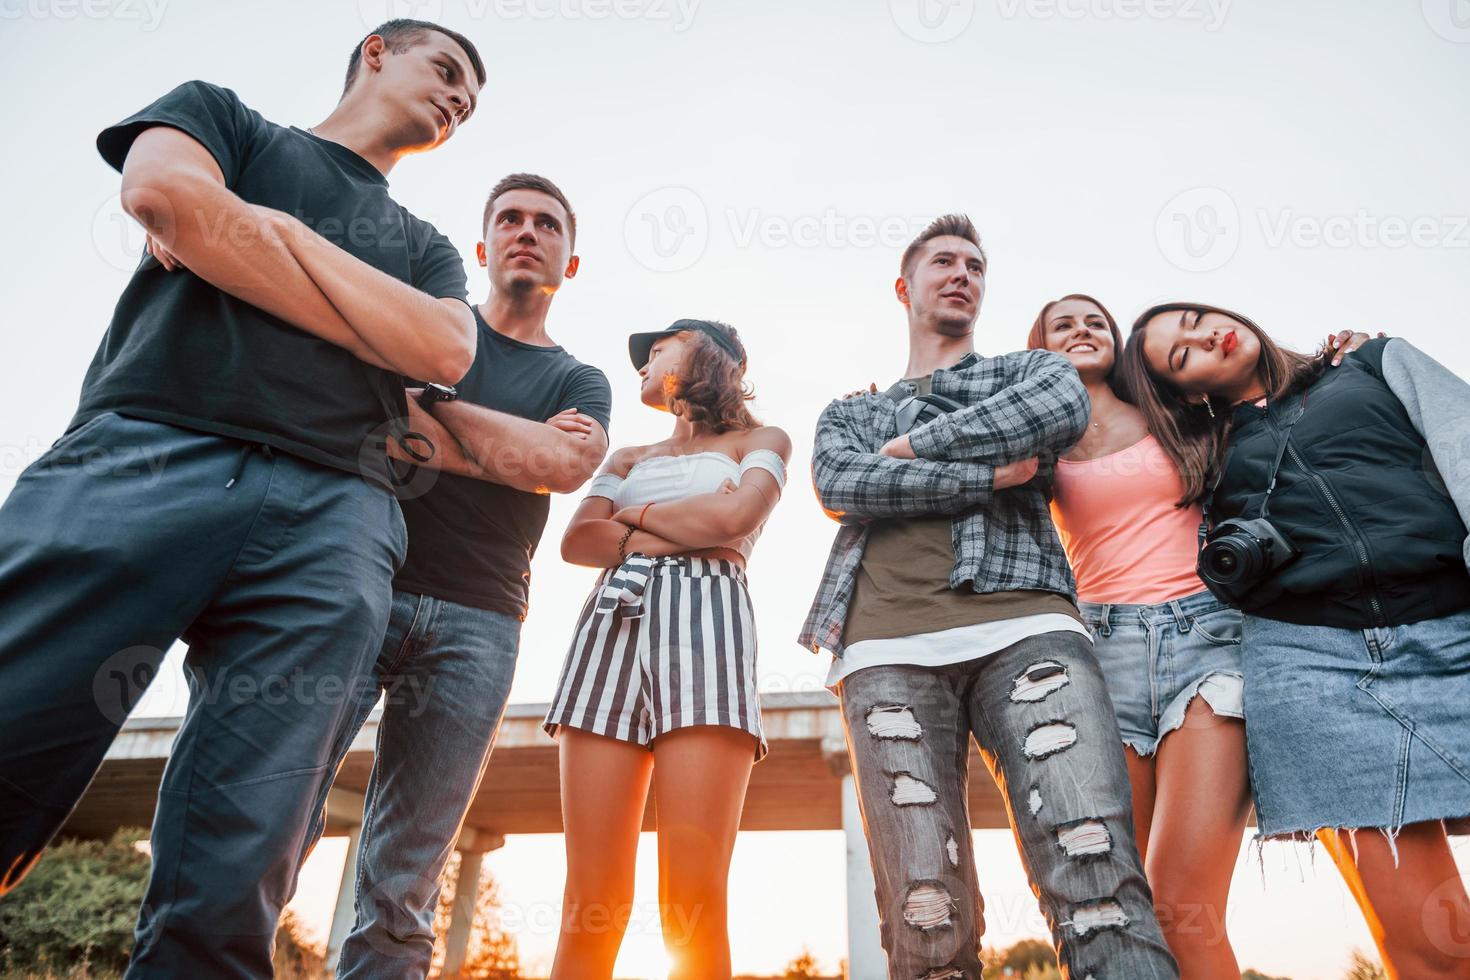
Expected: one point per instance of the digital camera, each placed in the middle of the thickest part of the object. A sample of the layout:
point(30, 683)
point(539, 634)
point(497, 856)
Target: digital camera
point(1239, 555)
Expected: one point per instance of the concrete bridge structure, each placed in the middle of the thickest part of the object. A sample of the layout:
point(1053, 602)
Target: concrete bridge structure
point(804, 784)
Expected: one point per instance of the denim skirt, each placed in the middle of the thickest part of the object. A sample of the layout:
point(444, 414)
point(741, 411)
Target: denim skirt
point(1357, 728)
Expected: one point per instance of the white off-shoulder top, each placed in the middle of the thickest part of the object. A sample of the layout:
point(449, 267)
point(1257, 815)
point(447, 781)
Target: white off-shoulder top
point(661, 479)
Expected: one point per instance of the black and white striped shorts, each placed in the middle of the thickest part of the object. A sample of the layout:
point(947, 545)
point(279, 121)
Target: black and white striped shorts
point(662, 644)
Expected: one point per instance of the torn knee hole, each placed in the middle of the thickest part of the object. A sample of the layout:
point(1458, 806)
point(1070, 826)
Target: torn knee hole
point(1089, 917)
point(893, 721)
point(1084, 838)
point(1049, 738)
point(909, 790)
point(1039, 680)
point(928, 906)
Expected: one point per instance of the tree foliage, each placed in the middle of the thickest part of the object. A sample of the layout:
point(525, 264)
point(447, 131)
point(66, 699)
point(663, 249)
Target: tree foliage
point(77, 907)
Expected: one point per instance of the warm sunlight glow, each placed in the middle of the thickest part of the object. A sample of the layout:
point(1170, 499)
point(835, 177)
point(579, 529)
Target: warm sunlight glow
point(643, 957)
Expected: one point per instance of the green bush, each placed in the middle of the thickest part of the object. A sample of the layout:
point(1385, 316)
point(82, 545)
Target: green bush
point(76, 909)
point(72, 918)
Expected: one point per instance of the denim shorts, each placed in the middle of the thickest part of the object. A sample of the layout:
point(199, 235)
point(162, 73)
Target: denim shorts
point(1352, 728)
point(1157, 658)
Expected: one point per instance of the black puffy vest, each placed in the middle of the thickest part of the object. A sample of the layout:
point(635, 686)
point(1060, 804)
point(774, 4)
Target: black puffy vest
point(1358, 494)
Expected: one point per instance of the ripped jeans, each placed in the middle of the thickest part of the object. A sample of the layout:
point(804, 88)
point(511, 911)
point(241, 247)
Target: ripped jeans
point(1045, 727)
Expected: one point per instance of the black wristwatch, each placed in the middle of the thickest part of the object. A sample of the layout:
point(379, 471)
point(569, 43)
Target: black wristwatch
point(436, 393)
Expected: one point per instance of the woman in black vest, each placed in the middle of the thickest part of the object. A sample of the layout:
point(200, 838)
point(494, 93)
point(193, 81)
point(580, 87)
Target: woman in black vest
point(1352, 489)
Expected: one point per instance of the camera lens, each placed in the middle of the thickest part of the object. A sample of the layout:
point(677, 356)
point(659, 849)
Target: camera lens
point(1226, 560)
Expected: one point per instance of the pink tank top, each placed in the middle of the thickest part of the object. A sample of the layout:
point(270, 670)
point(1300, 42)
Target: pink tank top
point(1127, 541)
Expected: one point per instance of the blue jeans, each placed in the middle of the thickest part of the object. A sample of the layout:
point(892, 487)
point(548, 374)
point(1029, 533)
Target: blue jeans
point(1041, 715)
point(278, 573)
point(444, 672)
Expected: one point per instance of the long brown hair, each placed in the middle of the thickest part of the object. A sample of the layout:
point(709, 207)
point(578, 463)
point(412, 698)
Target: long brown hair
point(1036, 339)
point(710, 387)
point(1193, 438)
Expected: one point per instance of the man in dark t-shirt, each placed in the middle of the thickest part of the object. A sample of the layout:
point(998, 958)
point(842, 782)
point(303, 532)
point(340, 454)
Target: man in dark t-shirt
point(528, 419)
point(224, 481)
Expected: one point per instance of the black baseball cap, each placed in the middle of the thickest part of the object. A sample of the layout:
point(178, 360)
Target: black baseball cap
point(641, 343)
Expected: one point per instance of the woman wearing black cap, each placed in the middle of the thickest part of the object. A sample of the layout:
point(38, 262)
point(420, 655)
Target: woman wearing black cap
point(661, 670)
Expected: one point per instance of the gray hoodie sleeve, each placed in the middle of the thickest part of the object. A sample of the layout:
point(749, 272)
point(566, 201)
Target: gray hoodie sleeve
point(1438, 403)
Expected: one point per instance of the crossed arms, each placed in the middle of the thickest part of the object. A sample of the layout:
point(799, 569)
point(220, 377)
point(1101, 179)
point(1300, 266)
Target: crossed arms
point(961, 458)
point(555, 456)
point(707, 520)
point(174, 188)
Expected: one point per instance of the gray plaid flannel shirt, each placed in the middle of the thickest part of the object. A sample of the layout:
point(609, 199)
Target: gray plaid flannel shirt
point(1029, 403)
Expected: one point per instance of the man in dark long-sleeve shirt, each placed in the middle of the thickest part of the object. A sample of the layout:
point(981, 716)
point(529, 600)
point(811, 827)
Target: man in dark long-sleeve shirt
point(950, 610)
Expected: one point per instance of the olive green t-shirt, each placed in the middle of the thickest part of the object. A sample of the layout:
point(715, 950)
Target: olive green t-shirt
point(902, 586)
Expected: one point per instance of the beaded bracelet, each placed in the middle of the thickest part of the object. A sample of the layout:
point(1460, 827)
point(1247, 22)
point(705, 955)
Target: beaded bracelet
point(623, 543)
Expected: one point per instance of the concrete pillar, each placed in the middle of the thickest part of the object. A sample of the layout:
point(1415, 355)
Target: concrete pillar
point(472, 846)
point(345, 913)
point(462, 916)
point(865, 959)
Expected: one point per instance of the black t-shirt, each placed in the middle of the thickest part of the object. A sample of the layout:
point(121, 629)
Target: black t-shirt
point(471, 541)
point(181, 351)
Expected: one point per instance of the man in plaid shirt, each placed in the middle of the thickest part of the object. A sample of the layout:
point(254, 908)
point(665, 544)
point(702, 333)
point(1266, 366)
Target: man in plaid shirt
point(950, 610)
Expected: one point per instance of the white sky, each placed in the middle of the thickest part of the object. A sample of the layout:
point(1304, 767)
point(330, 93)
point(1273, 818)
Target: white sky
point(764, 163)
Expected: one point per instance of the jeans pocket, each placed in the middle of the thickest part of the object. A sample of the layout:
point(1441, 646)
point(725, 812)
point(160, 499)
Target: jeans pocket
point(400, 533)
point(1221, 628)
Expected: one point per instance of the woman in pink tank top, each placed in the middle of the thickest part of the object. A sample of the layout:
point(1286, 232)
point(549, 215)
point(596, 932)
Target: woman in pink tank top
point(1169, 650)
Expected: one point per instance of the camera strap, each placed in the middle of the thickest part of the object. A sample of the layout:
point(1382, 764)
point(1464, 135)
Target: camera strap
point(1284, 424)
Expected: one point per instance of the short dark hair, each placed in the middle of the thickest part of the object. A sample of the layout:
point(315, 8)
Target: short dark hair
point(958, 225)
point(530, 182)
point(401, 34)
